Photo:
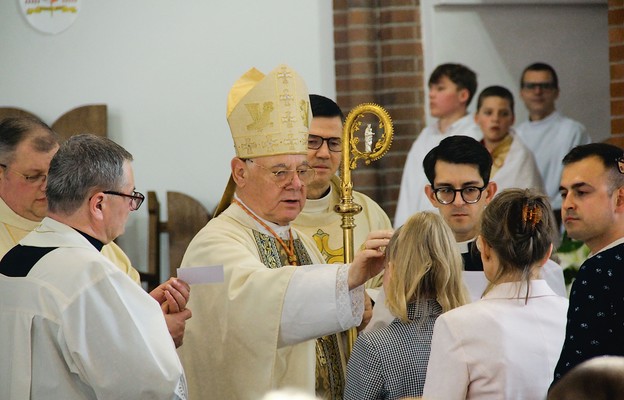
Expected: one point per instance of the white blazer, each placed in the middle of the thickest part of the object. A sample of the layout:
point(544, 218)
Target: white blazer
point(498, 347)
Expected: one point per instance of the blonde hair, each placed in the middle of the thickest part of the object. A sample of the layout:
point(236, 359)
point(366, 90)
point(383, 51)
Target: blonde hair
point(425, 264)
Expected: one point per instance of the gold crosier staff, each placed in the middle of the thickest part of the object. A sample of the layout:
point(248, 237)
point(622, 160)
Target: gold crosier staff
point(350, 156)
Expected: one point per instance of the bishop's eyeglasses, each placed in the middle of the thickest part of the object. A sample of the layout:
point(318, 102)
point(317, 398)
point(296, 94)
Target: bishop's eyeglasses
point(136, 198)
point(620, 162)
point(283, 177)
point(470, 194)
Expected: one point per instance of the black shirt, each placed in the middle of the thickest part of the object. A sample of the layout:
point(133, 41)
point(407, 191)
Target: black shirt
point(20, 259)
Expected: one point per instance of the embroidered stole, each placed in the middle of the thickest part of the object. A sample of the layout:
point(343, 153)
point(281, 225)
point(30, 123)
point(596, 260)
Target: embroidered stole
point(330, 362)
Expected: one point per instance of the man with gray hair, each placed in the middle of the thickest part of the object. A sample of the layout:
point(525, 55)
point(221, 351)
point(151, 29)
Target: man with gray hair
point(81, 329)
point(26, 147)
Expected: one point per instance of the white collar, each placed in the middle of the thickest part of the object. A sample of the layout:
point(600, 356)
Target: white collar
point(463, 246)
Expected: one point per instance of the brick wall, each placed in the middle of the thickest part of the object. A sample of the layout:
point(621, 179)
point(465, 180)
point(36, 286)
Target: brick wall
point(616, 61)
point(378, 55)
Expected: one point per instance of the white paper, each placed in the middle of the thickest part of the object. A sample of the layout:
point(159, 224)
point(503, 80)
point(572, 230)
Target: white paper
point(207, 274)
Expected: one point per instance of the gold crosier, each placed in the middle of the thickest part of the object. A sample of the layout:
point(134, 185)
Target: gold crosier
point(351, 153)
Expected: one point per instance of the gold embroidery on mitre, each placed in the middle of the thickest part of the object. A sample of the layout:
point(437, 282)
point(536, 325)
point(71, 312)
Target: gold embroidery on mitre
point(288, 119)
point(269, 115)
point(260, 119)
point(286, 98)
point(304, 108)
point(284, 74)
point(247, 147)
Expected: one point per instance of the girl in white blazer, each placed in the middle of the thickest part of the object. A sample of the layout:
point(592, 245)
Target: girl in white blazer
point(506, 345)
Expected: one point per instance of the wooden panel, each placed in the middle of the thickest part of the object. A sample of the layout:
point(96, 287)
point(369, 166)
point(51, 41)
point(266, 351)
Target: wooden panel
point(86, 119)
point(186, 216)
point(6, 112)
point(152, 276)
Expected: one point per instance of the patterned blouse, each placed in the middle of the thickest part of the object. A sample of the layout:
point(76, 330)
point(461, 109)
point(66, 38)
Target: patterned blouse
point(595, 324)
point(391, 363)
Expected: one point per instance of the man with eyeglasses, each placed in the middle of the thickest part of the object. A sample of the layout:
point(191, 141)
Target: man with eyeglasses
point(318, 219)
point(258, 328)
point(26, 147)
point(592, 191)
point(81, 329)
point(458, 170)
point(547, 133)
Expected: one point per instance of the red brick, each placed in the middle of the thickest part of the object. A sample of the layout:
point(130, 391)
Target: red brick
point(365, 33)
point(617, 89)
point(394, 159)
point(364, 176)
point(348, 100)
point(616, 16)
point(341, 36)
point(361, 17)
point(408, 64)
point(617, 108)
point(340, 18)
point(356, 68)
point(393, 178)
point(399, 3)
point(392, 32)
point(404, 136)
point(362, 51)
point(399, 81)
point(617, 126)
point(398, 97)
point(340, 5)
point(400, 15)
point(402, 112)
point(616, 35)
point(352, 4)
point(617, 140)
point(617, 71)
point(353, 84)
point(355, 52)
point(616, 53)
point(409, 48)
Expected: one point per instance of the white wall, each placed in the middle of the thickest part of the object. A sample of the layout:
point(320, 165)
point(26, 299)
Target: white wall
point(164, 69)
point(498, 39)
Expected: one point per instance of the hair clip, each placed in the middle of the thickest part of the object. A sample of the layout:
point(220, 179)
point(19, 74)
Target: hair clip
point(531, 214)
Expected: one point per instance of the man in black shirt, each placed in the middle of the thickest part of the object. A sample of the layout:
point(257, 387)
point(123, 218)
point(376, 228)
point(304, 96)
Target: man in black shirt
point(592, 189)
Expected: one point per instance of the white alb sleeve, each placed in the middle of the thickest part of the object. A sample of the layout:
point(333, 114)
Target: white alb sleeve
point(318, 302)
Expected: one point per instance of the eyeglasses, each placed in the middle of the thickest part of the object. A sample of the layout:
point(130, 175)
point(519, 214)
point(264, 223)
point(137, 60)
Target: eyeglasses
point(470, 194)
point(540, 85)
point(620, 162)
point(137, 198)
point(333, 143)
point(30, 179)
point(283, 177)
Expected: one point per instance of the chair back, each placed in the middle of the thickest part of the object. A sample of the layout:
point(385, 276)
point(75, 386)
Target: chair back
point(185, 217)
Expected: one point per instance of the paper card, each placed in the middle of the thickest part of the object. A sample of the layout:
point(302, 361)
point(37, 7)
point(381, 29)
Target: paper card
point(208, 274)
